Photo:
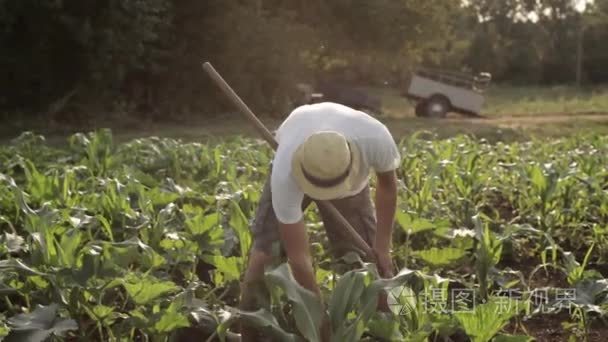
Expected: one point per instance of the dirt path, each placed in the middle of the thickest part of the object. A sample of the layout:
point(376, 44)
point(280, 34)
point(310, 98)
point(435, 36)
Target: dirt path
point(538, 119)
point(234, 124)
point(519, 118)
point(501, 126)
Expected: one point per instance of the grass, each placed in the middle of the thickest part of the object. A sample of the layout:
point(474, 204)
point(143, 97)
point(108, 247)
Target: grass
point(514, 113)
point(545, 100)
point(511, 100)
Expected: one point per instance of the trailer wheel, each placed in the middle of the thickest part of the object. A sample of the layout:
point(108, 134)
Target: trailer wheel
point(420, 109)
point(437, 106)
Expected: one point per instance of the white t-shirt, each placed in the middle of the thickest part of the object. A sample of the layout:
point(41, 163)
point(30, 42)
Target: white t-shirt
point(377, 146)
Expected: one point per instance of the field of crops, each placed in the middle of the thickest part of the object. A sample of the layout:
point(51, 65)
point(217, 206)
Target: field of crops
point(147, 240)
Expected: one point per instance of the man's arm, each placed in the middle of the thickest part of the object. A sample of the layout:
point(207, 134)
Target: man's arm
point(295, 242)
point(386, 205)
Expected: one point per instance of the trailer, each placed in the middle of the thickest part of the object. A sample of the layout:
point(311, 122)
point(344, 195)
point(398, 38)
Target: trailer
point(438, 92)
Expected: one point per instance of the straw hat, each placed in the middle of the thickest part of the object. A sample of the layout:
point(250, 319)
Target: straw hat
point(325, 164)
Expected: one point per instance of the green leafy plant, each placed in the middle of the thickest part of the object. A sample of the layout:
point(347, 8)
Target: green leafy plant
point(39, 325)
point(485, 320)
point(150, 237)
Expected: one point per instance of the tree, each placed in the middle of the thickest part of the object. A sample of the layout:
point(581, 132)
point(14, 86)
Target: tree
point(52, 47)
point(594, 16)
point(541, 40)
point(147, 54)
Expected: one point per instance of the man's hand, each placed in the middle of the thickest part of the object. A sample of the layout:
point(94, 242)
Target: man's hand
point(295, 243)
point(385, 268)
point(384, 263)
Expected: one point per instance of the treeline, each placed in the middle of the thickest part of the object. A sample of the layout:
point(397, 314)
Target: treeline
point(70, 60)
point(539, 41)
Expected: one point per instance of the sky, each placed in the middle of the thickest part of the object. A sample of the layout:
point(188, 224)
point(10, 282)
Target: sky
point(582, 4)
point(579, 5)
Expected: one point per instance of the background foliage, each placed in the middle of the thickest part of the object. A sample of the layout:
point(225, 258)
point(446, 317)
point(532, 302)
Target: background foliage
point(144, 57)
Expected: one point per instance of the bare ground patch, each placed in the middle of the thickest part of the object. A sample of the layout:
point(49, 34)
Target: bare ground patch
point(499, 127)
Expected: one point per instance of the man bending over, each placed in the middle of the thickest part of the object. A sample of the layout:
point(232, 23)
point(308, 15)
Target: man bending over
point(326, 151)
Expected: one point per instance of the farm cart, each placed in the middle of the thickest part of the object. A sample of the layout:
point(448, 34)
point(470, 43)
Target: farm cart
point(438, 92)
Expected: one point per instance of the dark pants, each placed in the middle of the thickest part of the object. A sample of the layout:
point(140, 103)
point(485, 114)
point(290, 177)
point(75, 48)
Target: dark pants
point(357, 210)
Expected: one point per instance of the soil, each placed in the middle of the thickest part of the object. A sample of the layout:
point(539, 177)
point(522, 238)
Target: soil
point(549, 328)
point(527, 120)
point(229, 124)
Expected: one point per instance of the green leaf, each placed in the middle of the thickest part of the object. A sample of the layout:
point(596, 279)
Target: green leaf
point(576, 271)
point(368, 304)
point(538, 178)
point(444, 325)
point(229, 267)
point(18, 266)
point(171, 319)
point(68, 247)
point(139, 319)
point(38, 281)
point(39, 325)
point(385, 327)
point(588, 293)
point(120, 255)
point(485, 320)
point(106, 227)
point(206, 229)
point(146, 289)
point(6, 290)
point(91, 265)
point(441, 256)
point(125, 253)
point(101, 312)
point(178, 248)
point(307, 307)
point(487, 255)
point(217, 158)
point(262, 319)
point(199, 224)
point(403, 302)
point(239, 222)
point(345, 297)
point(412, 225)
point(324, 277)
point(4, 330)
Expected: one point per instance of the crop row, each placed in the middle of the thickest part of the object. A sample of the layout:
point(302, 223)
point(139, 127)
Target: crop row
point(147, 240)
